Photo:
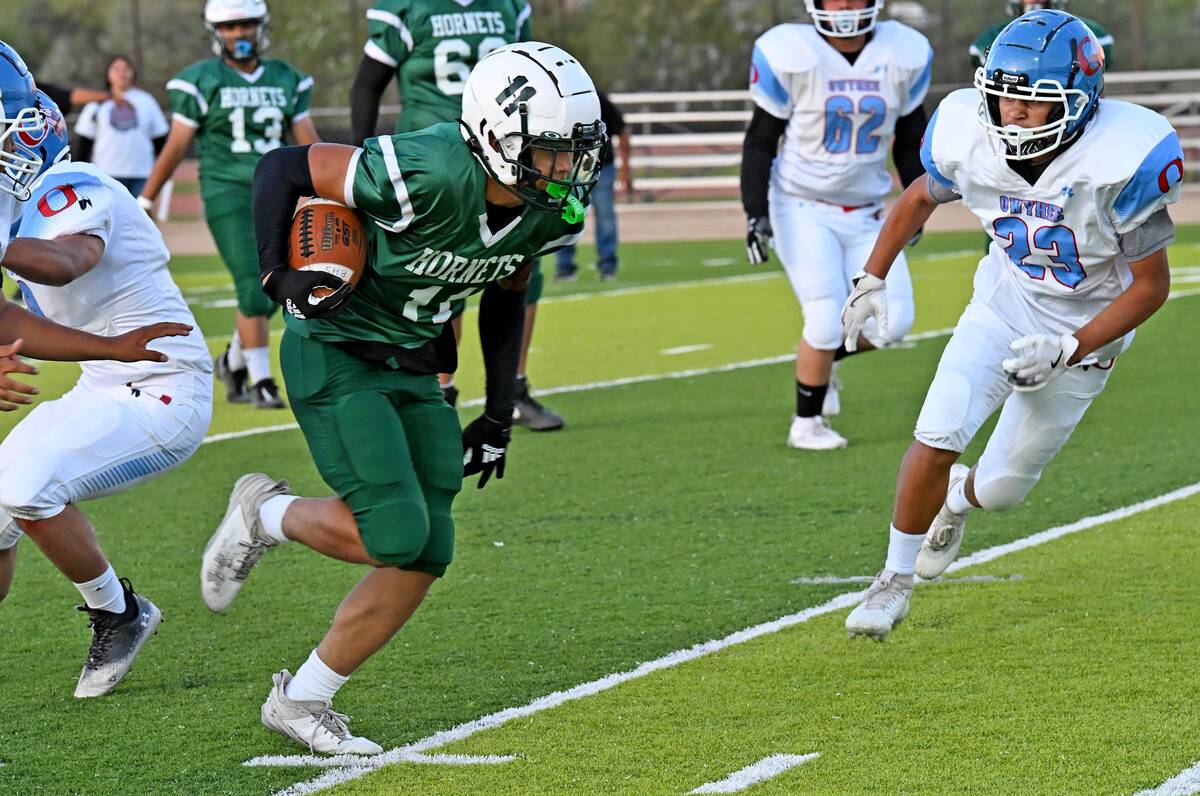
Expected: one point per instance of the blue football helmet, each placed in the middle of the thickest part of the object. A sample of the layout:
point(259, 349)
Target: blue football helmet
point(1042, 56)
point(50, 144)
point(21, 121)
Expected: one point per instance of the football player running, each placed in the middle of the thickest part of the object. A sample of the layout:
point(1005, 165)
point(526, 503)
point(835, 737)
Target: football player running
point(240, 105)
point(449, 210)
point(1073, 190)
point(1016, 8)
point(86, 255)
point(429, 47)
point(831, 99)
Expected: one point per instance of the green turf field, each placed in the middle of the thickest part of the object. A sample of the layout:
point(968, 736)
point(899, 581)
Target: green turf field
point(667, 514)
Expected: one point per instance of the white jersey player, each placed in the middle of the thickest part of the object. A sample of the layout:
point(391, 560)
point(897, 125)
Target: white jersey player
point(87, 256)
point(832, 100)
point(1073, 191)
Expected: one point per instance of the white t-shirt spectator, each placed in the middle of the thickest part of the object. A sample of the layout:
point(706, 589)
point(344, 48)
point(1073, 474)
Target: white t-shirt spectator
point(124, 133)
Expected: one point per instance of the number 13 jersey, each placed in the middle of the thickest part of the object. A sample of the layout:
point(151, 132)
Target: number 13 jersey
point(841, 116)
point(238, 116)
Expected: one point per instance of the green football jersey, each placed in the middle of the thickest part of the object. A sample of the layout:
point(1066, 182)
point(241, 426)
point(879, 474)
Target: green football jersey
point(429, 245)
point(434, 44)
point(238, 117)
point(979, 47)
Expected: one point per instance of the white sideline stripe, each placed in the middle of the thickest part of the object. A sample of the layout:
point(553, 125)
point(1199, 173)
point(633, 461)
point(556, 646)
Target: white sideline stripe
point(767, 768)
point(358, 761)
point(686, 349)
point(834, 580)
point(250, 432)
point(357, 767)
point(1184, 783)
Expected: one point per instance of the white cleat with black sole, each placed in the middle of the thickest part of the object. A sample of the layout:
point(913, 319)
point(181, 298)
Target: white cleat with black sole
point(116, 641)
point(883, 606)
point(813, 434)
point(312, 724)
point(239, 541)
point(945, 535)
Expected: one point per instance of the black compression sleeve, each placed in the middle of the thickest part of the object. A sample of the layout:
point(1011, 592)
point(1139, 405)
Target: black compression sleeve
point(369, 84)
point(159, 143)
point(281, 178)
point(82, 150)
point(501, 326)
point(758, 151)
point(906, 149)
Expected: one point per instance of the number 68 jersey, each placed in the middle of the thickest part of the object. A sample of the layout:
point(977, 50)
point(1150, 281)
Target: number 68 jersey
point(238, 117)
point(841, 116)
point(1055, 260)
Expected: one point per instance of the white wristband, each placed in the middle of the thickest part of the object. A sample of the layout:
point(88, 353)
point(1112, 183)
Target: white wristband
point(145, 203)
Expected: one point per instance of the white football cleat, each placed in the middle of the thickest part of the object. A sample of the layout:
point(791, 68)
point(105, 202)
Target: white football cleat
point(884, 605)
point(832, 405)
point(239, 541)
point(945, 534)
point(813, 434)
point(312, 724)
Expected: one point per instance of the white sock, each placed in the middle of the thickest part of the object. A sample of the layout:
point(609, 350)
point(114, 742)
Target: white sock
point(271, 515)
point(902, 551)
point(258, 362)
point(315, 682)
point(105, 593)
point(236, 360)
point(956, 498)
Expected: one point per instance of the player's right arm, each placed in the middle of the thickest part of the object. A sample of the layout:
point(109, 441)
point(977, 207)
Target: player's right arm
point(773, 108)
point(178, 139)
point(281, 178)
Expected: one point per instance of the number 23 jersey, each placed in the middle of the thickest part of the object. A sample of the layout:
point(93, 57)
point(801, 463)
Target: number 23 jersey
point(1055, 259)
point(841, 116)
point(238, 116)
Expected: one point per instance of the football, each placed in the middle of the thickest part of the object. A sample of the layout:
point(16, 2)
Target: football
point(328, 236)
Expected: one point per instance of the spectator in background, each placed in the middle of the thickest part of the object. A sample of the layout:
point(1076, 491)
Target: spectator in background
point(603, 201)
point(122, 135)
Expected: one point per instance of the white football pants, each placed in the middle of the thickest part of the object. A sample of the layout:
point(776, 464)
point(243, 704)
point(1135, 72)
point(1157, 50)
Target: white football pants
point(822, 247)
point(94, 442)
point(970, 385)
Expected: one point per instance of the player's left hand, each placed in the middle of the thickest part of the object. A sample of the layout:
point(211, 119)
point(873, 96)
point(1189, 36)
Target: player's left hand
point(13, 393)
point(759, 240)
point(866, 301)
point(1040, 359)
point(132, 346)
point(485, 445)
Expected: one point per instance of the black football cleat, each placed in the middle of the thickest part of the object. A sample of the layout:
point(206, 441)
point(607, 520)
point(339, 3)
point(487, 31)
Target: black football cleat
point(530, 413)
point(265, 395)
point(116, 641)
point(234, 380)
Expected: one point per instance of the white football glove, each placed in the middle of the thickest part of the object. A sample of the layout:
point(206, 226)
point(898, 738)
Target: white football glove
point(1040, 359)
point(866, 301)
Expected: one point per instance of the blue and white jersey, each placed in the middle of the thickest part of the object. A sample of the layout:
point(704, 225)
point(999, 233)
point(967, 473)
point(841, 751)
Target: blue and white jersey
point(841, 116)
point(128, 288)
point(1055, 260)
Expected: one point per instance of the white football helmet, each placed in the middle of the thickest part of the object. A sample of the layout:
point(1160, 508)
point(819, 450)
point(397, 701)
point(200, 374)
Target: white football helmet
point(843, 24)
point(531, 116)
point(218, 11)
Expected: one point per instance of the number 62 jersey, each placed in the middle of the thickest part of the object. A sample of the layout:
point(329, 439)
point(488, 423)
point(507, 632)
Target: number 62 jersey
point(1055, 260)
point(841, 116)
point(238, 116)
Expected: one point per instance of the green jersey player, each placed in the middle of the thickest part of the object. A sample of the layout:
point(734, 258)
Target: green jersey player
point(451, 210)
point(1016, 8)
point(238, 106)
point(429, 47)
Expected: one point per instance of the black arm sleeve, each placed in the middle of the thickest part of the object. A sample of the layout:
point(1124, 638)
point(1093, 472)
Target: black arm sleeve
point(501, 326)
point(281, 178)
point(82, 149)
point(906, 149)
point(159, 143)
point(758, 151)
point(369, 84)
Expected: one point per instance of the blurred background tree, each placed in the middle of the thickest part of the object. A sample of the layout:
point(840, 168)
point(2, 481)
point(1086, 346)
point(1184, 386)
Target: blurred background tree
point(627, 45)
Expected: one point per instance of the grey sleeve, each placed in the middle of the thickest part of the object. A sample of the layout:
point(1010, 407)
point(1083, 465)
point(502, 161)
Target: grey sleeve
point(1155, 233)
point(940, 193)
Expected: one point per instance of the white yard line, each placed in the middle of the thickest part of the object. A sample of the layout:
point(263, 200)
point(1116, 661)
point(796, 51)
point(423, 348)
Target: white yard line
point(686, 349)
point(345, 768)
point(1185, 783)
point(763, 770)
